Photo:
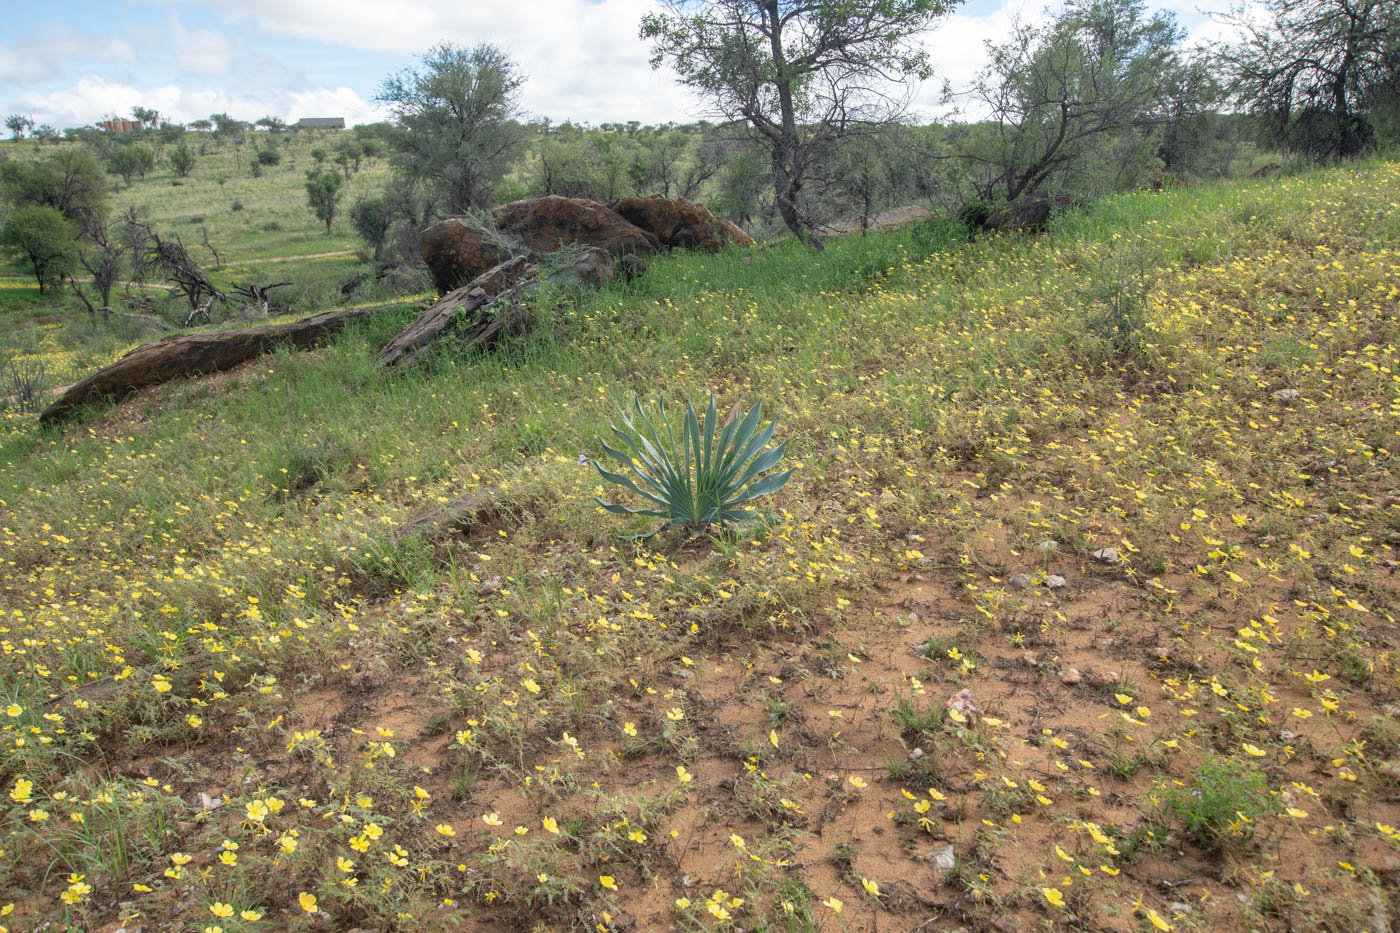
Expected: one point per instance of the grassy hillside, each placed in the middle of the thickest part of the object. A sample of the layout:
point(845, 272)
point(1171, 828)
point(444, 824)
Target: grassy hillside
point(231, 699)
point(272, 219)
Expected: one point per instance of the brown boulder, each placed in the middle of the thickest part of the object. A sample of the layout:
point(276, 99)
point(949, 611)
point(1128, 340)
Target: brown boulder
point(681, 223)
point(1030, 215)
point(459, 249)
point(545, 224)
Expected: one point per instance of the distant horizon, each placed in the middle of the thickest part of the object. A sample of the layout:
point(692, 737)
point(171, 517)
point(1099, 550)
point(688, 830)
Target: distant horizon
point(85, 61)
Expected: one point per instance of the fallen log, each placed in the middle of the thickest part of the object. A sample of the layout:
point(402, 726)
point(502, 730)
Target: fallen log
point(194, 355)
point(464, 309)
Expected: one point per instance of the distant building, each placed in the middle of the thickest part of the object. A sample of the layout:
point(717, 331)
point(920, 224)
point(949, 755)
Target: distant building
point(121, 126)
point(321, 123)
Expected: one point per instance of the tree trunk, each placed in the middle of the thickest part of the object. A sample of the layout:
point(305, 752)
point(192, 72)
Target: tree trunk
point(458, 309)
point(787, 180)
point(195, 355)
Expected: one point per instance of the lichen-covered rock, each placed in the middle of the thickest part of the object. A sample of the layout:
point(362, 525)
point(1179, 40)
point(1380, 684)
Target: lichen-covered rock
point(545, 224)
point(459, 249)
point(678, 222)
point(589, 268)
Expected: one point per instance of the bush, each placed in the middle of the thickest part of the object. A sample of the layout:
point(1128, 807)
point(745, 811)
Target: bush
point(182, 159)
point(24, 381)
point(1225, 800)
point(237, 206)
point(705, 480)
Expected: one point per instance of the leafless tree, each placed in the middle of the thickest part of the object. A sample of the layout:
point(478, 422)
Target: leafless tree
point(167, 259)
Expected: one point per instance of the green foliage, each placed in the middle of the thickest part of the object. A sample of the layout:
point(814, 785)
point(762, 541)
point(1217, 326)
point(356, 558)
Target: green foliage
point(1316, 72)
point(1222, 804)
point(373, 218)
point(456, 132)
point(1069, 101)
point(323, 193)
point(702, 481)
point(44, 240)
point(269, 156)
point(17, 123)
point(819, 66)
point(131, 160)
point(70, 180)
point(182, 159)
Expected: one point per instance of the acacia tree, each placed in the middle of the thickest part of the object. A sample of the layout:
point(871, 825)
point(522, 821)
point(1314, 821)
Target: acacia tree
point(801, 73)
point(42, 238)
point(104, 261)
point(456, 127)
point(182, 159)
point(69, 180)
point(1075, 101)
point(1309, 68)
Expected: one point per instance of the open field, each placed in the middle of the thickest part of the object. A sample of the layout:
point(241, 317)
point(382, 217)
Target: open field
point(232, 700)
point(273, 219)
point(247, 218)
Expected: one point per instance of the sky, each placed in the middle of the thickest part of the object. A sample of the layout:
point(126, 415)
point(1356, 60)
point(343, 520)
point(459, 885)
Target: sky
point(73, 62)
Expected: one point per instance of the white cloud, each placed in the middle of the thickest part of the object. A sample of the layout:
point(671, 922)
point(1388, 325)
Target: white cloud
point(92, 98)
point(49, 54)
point(957, 48)
point(584, 60)
point(203, 52)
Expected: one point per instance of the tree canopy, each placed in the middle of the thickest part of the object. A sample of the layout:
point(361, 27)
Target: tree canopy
point(40, 237)
point(800, 73)
point(1313, 69)
point(70, 181)
point(455, 122)
point(1077, 102)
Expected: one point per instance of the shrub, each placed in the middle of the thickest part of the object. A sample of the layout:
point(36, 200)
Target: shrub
point(1225, 800)
point(703, 481)
point(24, 381)
point(182, 160)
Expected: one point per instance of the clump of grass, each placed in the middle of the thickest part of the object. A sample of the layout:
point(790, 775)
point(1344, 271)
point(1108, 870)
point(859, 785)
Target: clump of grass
point(1224, 801)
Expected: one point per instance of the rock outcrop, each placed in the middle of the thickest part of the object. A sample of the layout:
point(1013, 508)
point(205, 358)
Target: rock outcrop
point(459, 249)
point(589, 268)
point(678, 222)
point(548, 223)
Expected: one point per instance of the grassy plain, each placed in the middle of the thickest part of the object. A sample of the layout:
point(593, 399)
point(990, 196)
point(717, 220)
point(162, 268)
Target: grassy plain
point(273, 219)
point(914, 698)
